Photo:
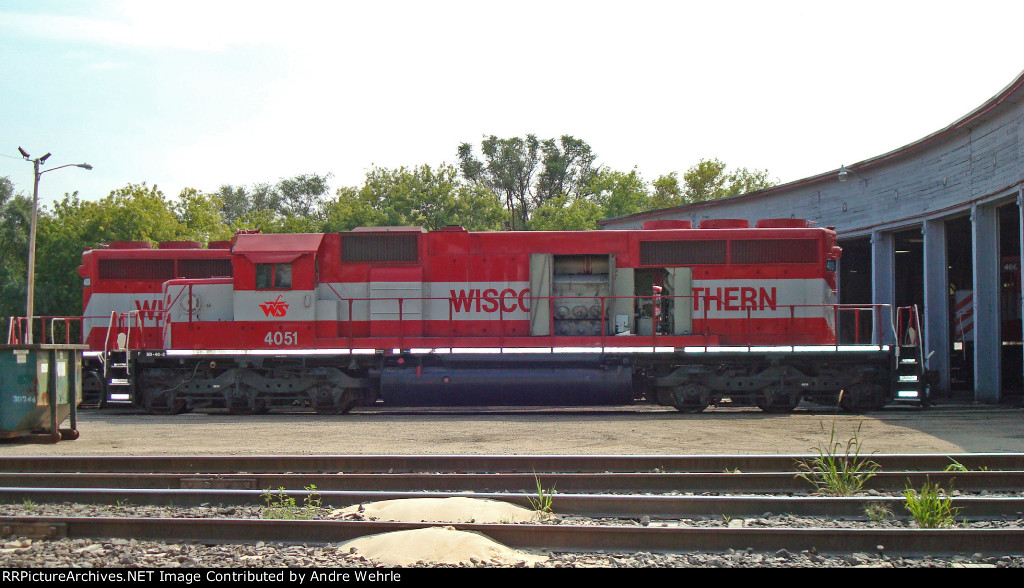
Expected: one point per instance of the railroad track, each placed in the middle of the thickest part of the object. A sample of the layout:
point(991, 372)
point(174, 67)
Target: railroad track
point(620, 503)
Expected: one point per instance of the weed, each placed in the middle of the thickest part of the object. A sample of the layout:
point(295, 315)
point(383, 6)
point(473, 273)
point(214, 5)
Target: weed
point(312, 501)
point(931, 508)
point(544, 498)
point(959, 467)
point(878, 511)
point(838, 471)
point(955, 466)
point(29, 504)
point(283, 506)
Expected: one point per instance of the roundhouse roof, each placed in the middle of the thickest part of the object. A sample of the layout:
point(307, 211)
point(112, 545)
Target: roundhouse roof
point(1008, 96)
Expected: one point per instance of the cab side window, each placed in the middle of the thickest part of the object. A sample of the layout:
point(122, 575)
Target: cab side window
point(273, 276)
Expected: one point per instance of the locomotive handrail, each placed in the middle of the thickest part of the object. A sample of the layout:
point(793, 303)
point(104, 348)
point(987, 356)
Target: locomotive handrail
point(167, 313)
point(784, 315)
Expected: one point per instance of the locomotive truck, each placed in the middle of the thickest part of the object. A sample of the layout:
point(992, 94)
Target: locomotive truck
point(673, 314)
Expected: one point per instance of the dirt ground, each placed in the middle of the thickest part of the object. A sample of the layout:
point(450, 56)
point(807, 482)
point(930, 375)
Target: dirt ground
point(598, 431)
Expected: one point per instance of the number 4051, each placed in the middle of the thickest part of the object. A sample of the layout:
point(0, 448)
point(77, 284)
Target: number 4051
point(282, 338)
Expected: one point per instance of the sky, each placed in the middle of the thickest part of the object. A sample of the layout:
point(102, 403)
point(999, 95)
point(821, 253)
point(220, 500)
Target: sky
point(199, 94)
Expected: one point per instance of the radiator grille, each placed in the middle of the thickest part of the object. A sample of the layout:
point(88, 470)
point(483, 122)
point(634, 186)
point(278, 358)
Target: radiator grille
point(136, 269)
point(379, 247)
point(669, 253)
point(775, 251)
point(204, 268)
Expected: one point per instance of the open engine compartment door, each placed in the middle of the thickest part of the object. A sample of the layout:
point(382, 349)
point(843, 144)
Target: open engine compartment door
point(540, 294)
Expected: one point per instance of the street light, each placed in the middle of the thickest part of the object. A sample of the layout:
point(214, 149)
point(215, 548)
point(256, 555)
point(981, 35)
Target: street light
point(31, 282)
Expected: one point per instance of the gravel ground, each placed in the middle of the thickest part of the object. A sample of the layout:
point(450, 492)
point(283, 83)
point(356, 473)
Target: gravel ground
point(124, 553)
point(649, 430)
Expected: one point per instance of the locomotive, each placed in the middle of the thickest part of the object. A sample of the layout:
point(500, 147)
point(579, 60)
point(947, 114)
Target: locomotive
point(673, 314)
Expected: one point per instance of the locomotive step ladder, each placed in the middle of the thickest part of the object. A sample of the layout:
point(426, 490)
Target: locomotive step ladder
point(910, 382)
point(118, 376)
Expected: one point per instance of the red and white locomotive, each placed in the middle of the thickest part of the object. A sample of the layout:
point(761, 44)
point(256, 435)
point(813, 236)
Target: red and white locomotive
point(672, 314)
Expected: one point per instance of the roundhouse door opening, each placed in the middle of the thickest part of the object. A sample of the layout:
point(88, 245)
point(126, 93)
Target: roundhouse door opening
point(960, 273)
point(855, 289)
point(1010, 303)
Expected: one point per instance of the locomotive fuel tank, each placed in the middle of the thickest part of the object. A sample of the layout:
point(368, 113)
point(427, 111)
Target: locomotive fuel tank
point(509, 385)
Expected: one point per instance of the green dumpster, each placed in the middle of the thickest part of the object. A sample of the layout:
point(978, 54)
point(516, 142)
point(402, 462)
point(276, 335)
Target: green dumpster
point(40, 387)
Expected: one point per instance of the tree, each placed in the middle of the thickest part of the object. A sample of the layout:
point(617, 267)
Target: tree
point(567, 213)
point(15, 212)
point(291, 204)
point(421, 196)
point(136, 212)
point(200, 216)
point(619, 193)
point(708, 180)
point(567, 168)
point(508, 169)
point(666, 192)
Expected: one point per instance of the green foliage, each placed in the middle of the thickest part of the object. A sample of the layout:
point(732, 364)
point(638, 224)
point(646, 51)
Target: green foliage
point(708, 180)
point(508, 169)
point(282, 506)
point(566, 169)
point(516, 183)
point(877, 511)
point(543, 500)
point(291, 205)
point(666, 192)
point(422, 196)
point(619, 193)
point(565, 213)
point(959, 467)
point(955, 466)
point(931, 508)
point(15, 213)
point(200, 216)
point(838, 470)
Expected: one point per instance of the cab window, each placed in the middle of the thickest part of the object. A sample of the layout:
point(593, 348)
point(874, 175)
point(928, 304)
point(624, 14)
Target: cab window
point(273, 276)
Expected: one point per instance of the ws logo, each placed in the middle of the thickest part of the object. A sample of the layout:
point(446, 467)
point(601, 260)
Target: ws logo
point(150, 310)
point(276, 308)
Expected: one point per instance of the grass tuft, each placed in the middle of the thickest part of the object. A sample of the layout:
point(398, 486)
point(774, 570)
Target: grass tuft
point(838, 470)
point(282, 506)
point(931, 508)
point(542, 501)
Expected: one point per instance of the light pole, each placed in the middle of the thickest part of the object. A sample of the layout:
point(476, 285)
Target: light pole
point(31, 281)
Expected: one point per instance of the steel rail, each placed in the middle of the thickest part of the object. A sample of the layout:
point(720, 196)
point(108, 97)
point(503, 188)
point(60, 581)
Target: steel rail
point(551, 538)
point(755, 482)
point(587, 505)
point(484, 463)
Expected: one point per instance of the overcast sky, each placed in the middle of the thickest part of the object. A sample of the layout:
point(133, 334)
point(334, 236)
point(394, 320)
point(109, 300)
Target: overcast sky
point(200, 94)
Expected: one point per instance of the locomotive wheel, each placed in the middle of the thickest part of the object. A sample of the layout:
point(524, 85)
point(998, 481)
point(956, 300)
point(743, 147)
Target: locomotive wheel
point(777, 400)
point(250, 403)
point(862, 398)
point(157, 400)
point(690, 398)
point(92, 390)
point(329, 399)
